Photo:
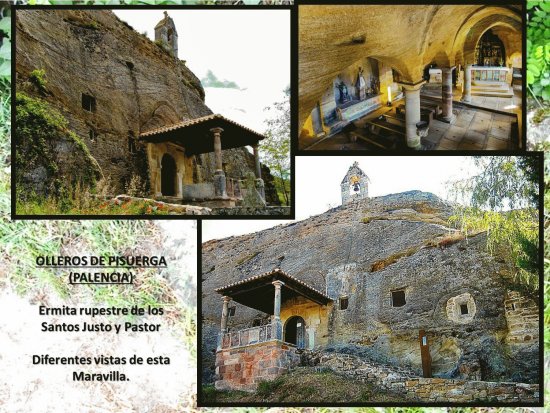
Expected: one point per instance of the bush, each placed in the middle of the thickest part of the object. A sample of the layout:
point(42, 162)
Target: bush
point(37, 77)
point(538, 48)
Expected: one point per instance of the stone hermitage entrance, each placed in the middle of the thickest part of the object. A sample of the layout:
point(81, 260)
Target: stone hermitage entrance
point(168, 175)
point(246, 356)
point(171, 151)
point(295, 331)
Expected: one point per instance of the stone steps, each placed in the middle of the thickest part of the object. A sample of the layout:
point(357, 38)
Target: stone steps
point(492, 90)
point(415, 388)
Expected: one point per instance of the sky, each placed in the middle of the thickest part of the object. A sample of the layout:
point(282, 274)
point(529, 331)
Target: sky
point(248, 47)
point(318, 181)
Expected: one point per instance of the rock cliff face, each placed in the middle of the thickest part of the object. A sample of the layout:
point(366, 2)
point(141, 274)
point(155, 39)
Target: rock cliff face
point(136, 86)
point(365, 251)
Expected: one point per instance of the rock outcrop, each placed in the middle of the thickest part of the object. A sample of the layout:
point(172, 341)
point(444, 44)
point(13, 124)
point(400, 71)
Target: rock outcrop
point(365, 251)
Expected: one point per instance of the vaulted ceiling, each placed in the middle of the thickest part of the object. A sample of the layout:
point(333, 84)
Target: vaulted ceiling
point(407, 37)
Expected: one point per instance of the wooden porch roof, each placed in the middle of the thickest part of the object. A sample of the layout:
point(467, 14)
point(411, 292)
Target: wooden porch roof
point(195, 136)
point(258, 291)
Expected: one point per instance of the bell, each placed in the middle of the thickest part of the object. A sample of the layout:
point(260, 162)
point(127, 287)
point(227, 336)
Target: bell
point(356, 187)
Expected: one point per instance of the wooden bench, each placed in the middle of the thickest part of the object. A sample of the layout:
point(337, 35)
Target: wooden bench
point(390, 127)
point(426, 112)
point(375, 140)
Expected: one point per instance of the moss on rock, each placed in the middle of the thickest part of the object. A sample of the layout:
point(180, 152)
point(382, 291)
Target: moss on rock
point(50, 158)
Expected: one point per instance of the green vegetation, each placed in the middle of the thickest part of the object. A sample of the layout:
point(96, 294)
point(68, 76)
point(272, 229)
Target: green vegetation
point(246, 258)
point(5, 48)
point(211, 80)
point(141, 2)
point(306, 385)
point(79, 203)
point(275, 149)
point(38, 78)
point(40, 128)
point(538, 49)
point(503, 202)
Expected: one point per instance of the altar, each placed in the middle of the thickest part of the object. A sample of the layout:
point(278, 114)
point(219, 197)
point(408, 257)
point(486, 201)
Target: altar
point(491, 74)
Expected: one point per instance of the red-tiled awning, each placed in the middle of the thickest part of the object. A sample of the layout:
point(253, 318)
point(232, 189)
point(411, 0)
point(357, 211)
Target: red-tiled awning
point(195, 136)
point(258, 292)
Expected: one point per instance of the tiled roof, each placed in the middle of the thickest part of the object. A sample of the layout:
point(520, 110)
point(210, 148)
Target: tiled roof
point(268, 274)
point(191, 122)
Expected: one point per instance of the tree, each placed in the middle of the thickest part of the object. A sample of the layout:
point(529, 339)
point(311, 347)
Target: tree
point(503, 201)
point(276, 148)
point(504, 182)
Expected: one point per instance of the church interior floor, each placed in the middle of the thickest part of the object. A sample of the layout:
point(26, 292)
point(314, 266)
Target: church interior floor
point(472, 129)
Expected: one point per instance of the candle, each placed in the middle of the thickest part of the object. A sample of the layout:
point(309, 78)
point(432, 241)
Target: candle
point(389, 94)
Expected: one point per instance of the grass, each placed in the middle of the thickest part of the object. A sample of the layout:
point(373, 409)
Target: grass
point(82, 206)
point(304, 385)
point(393, 258)
point(246, 258)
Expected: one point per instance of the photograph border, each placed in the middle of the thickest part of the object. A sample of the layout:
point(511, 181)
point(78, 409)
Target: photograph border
point(293, 114)
point(540, 169)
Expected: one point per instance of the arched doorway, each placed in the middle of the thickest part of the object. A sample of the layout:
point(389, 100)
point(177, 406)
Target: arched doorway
point(295, 331)
point(168, 176)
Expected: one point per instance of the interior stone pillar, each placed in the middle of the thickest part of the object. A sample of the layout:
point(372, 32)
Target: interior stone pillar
point(225, 314)
point(412, 114)
point(219, 175)
point(467, 94)
point(260, 187)
point(447, 94)
point(277, 327)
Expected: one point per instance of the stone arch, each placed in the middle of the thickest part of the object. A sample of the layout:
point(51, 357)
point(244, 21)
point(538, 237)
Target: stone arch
point(163, 114)
point(168, 178)
point(393, 63)
point(295, 331)
point(468, 37)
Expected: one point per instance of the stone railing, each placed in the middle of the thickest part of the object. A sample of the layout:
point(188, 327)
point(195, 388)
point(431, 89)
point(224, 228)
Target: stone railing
point(233, 188)
point(246, 337)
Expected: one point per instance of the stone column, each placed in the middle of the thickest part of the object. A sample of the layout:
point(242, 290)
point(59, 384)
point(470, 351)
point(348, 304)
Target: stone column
point(219, 175)
point(277, 327)
point(225, 314)
point(259, 181)
point(257, 161)
point(467, 94)
point(412, 114)
point(447, 94)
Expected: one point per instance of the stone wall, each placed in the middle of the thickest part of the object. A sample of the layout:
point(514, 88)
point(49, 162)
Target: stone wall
point(242, 368)
point(398, 380)
point(522, 317)
point(315, 318)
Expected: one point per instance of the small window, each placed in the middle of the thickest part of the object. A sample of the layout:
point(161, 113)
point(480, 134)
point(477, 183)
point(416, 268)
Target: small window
point(398, 298)
point(463, 309)
point(132, 146)
point(88, 103)
point(231, 311)
point(92, 135)
point(343, 303)
point(513, 306)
